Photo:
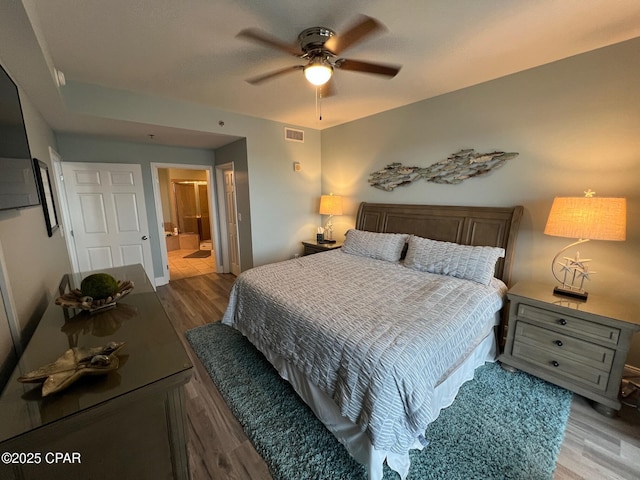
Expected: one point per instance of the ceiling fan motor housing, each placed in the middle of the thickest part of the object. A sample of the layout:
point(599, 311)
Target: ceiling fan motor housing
point(312, 39)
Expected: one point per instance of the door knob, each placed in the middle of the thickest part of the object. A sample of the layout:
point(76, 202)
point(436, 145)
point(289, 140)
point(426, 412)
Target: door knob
point(144, 237)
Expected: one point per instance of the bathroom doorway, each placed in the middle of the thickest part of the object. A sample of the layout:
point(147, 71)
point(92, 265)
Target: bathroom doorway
point(184, 205)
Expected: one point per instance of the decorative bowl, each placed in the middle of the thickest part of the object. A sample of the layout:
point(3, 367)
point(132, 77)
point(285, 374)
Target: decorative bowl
point(75, 298)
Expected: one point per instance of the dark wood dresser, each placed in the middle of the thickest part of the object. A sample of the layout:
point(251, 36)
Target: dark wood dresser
point(127, 424)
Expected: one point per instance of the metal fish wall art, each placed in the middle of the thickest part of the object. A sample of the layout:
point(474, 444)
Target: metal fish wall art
point(456, 168)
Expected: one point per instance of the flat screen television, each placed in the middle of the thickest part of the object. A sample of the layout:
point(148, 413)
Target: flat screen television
point(18, 186)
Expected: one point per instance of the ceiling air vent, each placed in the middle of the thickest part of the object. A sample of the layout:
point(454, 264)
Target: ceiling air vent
point(293, 135)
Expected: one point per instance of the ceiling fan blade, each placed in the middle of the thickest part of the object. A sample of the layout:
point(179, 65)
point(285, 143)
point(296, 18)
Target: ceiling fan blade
point(366, 67)
point(266, 39)
point(362, 28)
point(275, 73)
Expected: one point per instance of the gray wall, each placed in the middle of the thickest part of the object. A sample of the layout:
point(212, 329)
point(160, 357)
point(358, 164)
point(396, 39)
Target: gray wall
point(84, 148)
point(283, 202)
point(34, 261)
point(575, 124)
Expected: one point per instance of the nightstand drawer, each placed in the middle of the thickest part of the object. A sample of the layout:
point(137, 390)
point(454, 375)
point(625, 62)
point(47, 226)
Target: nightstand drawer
point(561, 366)
point(570, 325)
point(581, 351)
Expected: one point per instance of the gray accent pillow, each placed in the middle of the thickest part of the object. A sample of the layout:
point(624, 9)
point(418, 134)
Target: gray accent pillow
point(446, 258)
point(383, 246)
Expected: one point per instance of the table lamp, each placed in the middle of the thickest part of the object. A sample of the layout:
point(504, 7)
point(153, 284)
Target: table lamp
point(330, 205)
point(585, 218)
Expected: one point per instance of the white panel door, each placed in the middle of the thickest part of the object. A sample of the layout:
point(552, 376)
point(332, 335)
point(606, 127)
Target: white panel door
point(108, 215)
point(232, 221)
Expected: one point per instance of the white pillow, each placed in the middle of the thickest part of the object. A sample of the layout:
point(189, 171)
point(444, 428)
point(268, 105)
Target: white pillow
point(383, 246)
point(446, 258)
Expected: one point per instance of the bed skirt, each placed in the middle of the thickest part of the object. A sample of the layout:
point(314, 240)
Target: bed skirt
point(350, 435)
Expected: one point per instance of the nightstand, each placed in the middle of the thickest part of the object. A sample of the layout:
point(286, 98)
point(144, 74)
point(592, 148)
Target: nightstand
point(311, 246)
point(579, 345)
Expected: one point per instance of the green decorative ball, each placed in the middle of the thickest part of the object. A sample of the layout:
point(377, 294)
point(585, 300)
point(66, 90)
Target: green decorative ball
point(99, 286)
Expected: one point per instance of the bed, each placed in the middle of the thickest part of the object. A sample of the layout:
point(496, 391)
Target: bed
point(378, 336)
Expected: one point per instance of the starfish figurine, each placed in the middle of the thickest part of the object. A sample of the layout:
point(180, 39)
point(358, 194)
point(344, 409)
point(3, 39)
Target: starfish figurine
point(585, 274)
point(577, 261)
point(73, 364)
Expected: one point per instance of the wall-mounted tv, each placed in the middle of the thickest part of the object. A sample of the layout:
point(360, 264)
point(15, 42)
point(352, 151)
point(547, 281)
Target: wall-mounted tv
point(18, 186)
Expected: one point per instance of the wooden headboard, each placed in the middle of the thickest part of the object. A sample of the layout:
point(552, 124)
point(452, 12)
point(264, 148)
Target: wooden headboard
point(490, 226)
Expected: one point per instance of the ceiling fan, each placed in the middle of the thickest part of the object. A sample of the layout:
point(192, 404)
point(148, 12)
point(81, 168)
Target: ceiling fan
point(321, 46)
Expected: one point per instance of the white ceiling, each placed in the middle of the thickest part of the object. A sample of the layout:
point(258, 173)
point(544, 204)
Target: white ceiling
point(188, 50)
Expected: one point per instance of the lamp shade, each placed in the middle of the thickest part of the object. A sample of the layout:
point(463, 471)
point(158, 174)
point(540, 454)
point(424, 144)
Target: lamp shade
point(593, 218)
point(330, 205)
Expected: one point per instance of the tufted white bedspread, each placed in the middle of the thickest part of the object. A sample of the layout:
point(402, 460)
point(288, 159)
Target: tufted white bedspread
point(376, 336)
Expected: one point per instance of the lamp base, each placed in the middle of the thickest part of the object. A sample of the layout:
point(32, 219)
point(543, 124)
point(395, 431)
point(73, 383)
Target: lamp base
point(566, 292)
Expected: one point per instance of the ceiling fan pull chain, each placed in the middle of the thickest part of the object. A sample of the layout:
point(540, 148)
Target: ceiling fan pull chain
point(318, 103)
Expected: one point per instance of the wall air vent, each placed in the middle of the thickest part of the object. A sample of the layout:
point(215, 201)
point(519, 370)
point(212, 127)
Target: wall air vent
point(293, 135)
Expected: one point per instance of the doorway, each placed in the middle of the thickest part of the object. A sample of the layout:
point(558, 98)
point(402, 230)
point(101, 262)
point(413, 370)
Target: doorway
point(185, 214)
point(173, 228)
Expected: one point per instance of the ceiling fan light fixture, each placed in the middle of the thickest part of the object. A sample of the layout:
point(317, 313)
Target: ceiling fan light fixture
point(318, 73)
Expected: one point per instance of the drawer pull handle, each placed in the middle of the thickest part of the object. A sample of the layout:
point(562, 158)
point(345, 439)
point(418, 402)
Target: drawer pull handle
point(559, 343)
point(562, 321)
point(555, 364)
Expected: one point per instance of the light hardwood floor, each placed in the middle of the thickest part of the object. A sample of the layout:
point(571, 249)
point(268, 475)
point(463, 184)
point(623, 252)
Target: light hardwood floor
point(595, 447)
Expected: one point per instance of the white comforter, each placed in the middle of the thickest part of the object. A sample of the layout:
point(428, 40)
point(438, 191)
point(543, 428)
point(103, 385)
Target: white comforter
point(375, 336)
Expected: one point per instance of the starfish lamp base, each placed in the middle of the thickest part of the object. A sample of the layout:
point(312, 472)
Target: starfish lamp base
point(573, 269)
point(568, 292)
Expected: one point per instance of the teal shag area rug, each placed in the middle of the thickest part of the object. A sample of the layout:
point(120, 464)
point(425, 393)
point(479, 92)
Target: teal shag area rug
point(501, 426)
